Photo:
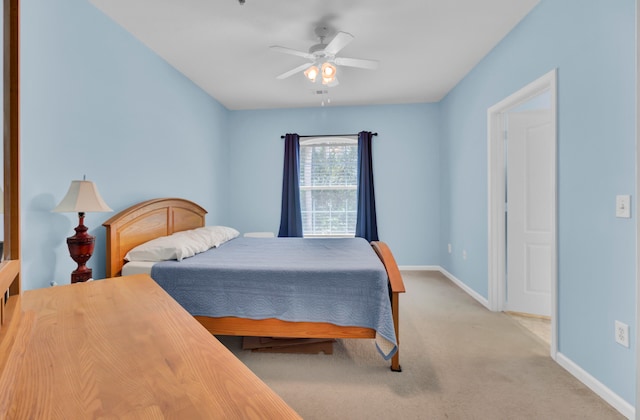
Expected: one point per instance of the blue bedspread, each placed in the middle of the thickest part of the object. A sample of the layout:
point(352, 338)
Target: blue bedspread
point(338, 280)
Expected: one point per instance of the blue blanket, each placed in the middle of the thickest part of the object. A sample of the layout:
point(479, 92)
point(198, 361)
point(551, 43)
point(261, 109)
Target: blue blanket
point(338, 280)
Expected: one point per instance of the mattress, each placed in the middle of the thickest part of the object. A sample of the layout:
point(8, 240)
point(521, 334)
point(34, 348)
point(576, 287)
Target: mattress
point(336, 280)
point(137, 267)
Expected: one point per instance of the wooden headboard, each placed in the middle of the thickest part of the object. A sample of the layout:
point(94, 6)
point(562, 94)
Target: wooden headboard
point(145, 221)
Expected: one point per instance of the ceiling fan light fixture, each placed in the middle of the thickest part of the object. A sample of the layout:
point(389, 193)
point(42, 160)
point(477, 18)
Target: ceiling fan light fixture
point(328, 70)
point(311, 73)
point(322, 60)
point(328, 73)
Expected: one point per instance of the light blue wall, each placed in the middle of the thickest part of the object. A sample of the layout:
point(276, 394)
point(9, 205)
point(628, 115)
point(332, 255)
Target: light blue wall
point(96, 101)
point(592, 44)
point(405, 158)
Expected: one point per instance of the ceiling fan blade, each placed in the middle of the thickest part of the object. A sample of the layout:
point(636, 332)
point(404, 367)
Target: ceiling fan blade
point(291, 51)
point(294, 71)
point(338, 42)
point(357, 62)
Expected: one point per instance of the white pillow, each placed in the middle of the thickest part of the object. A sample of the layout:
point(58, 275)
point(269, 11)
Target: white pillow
point(182, 245)
point(219, 234)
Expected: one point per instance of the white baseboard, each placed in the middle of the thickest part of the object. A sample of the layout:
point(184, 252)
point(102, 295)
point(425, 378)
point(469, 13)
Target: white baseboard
point(420, 268)
point(483, 301)
point(596, 386)
point(451, 277)
point(583, 376)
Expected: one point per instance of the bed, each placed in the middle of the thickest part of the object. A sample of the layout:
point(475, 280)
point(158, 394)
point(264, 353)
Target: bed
point(161, 217)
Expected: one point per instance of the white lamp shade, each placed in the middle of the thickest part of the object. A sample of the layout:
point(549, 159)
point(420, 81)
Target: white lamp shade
point(82, 197)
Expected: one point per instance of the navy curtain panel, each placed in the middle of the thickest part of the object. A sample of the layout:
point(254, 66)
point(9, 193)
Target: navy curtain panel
point(291, 215)
point(366, 224)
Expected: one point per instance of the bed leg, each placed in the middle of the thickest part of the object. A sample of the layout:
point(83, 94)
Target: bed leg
point(395, 309)
point(395, 363)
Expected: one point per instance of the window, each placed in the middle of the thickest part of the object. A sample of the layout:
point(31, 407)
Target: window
point(328, 186)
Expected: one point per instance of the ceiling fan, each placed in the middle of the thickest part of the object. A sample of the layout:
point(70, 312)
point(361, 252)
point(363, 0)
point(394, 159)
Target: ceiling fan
point(322, 58)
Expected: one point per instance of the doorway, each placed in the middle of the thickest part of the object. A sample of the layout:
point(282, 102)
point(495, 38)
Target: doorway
point(528, 210)
point(522, 142)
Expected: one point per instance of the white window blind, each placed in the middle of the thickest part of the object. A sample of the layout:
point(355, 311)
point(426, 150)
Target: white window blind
point(328, 185)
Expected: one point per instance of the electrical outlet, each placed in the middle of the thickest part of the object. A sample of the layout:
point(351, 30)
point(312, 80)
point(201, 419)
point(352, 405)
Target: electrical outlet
point(622, 334)
point(464, 254)
point(449, 248)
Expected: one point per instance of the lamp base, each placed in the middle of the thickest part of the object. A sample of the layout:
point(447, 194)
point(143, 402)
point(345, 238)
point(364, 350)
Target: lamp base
point(81, 248)
point(77, 276)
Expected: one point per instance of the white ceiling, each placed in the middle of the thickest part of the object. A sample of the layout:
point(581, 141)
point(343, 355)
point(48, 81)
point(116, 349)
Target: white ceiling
point(425, 47)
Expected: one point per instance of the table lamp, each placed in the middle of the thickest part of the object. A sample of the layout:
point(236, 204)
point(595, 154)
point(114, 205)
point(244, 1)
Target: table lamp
point(82, 197)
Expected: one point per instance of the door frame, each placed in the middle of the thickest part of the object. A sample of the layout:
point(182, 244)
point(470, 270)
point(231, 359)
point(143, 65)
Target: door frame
point(496, 194)
point(637, 329)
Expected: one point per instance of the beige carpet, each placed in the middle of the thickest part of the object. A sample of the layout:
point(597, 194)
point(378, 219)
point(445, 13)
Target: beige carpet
point(459, 361)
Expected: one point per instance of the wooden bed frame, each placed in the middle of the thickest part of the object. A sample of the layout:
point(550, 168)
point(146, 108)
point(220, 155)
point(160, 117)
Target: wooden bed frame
point(164, 216)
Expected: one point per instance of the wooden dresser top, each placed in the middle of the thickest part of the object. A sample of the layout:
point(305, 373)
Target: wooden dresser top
point(123, 348)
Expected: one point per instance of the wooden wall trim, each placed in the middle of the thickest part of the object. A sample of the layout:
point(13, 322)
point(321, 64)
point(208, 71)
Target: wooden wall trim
point(11, 156)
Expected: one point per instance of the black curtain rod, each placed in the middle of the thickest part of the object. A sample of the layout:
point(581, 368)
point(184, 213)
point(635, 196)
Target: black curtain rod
point(333, 135)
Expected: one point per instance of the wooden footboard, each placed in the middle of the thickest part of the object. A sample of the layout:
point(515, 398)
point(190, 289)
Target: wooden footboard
point(396, 286)
point(277, 328)
point(160, 217)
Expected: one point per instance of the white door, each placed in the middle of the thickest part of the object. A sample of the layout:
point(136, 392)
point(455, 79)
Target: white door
point(529, 211)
